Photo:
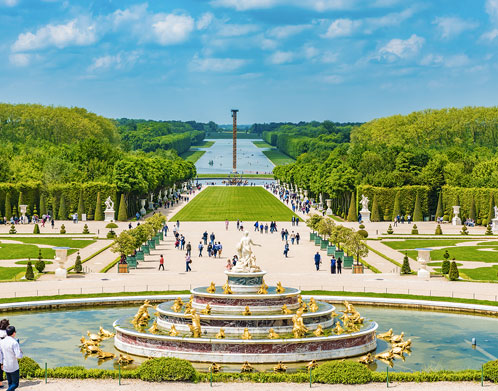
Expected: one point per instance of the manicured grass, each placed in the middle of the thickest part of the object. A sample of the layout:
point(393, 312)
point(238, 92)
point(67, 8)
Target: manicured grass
point(9, 273)
point(490, 243)
point(278, 158)
point(192, 156)
point(262, 176)
point(33, 262)
point(468, 253)
point(56, 242)
point(440, 264)
point(262, 144)
point(408, 244)
point(482, 273)
point(204, 144)
point(19, 251)
point(244, 203)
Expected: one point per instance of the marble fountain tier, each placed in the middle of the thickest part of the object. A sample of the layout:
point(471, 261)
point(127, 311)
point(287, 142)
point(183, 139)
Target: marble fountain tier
point(245, 321)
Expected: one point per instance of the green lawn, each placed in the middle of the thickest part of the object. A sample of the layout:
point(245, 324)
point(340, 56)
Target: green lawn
point(440, 264)
point(19, 251)
point(262, 144)
point(8, 273)
point(463, 253)
point(204, 144)
point(482, 273)
point(244, 203)
point(192, 156)
point(421, 243)
point(35, 260)
point(278, 158)
point(56, 242)
point(489, 243)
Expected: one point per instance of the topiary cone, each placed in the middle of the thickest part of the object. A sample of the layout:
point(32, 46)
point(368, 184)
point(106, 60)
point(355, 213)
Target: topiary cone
point(454, 274)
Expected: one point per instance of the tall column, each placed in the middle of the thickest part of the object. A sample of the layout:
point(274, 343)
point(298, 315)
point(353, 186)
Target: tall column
point(234, 137)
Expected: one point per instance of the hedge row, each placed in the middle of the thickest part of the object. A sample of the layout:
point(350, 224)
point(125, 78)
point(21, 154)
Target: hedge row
point(481, 197)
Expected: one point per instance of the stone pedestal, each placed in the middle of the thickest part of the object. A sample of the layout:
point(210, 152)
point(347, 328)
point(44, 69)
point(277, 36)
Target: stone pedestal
point(424, 257)
point(245, 282)
point(109, 215)
point(329, 204)
point(456, 219)
point(365, 216)
point(61, 258)
point(22, 210)
point(142, 209)
point(494, 225)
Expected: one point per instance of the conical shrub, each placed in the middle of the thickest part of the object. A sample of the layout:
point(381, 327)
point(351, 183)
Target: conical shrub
point(375, 210)
point(62, 208)
point(36, 229)
point(352, 214)
point(397, 206)
point(454, 275)
point(29, 275)
point(123, 214)
point(417, 211)
point(81, 206)
point(439, 210)
point(406, 269)
point(99, 216)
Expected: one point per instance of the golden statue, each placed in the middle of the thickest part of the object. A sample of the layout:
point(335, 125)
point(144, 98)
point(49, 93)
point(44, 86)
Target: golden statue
point(246, 367)
point(226, 289)
point(214, 368)
point(124, 359)
point(299, 329)
point(154, 328)
point(311, 365)
point(312, 305)
point(285, 310)
point(356, 318)
point(405, 345)
point(386, 356)
point(104, 355)
point(103, 333)
point(246, 311)
point(272, 334)
point(397, 338)
point(319, 331)
point(386, 335)
point(338, 329)
point(334, 314)
point(221, 333)
point(302, 303)
point(280, 368)
point(263, 289)
point(94, 337)
point(207, 310)
point(246, 334)
point(211, 288)
point(188, 308)
point(173, 332)
point(280, 288)
point(177, 305)
point(349, 307)
point(368, 359)
point(195, 327)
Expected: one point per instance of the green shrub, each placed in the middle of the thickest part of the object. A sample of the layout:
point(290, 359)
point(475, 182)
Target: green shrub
point(28, 367)
point(406, 269)
point(63, 229)
point(77, 264)
point(29, 275)
point(445, 267)
point(36, 229)
point(40, 266)
point(390, 230)
point(85, 229)
point(375, 210)
point(446, 255)
point(414, 229)
point(99, 216)
point(464, 230)
point(439, 231)
point(122, 214)
point(489, 231)
point(417, 210)
point(12, 230)
point(342, 372)
point(111, 235)
point(491, 371)
point(363, 233)
point(453, 274)
point(167, 369)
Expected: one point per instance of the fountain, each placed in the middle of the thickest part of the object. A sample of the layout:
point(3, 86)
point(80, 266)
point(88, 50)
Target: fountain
point(246, 321)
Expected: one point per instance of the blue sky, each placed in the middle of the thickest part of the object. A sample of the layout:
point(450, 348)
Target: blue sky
point(274, 60)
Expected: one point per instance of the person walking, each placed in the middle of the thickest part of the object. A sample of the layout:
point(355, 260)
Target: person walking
point(226, 225)
point(339, 266)
point(205, 237)
point(188, 261)
point(293, 237)
point(212, 237)
point(318, 260)
point(201, 247)
point(11, 352)
point(220, 249)
point(182, 242)
point(189, 248)
point(297, 238)
point(52, 223)
point(4, 323)
point(286, 249)
point(332, 265)
point(161, 263)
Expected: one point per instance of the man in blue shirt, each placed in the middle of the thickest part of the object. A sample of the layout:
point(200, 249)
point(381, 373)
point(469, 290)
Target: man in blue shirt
point(10, 353)
point(317, 260)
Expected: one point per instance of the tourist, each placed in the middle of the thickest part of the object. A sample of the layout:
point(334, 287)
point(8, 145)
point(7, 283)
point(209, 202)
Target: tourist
point(297, 238)
point(286, 249)
point(409, 219)
point(235, 259)
point(293, 218)
point(11, 352)
point(220, 249)
point(286, 234)
point(282, 234)
point(297, 221)
point(4, 323)
point(332, 265)
point(226, 225)
point(53, 223)
point(266, 228)
point(165, 229)
point(201, 247)
point(205, 237)
point(161, 263)
point(210, 249)
point(178, 223)
point(256, 226)
point(318, 260)
point(189, 248)
point(229, 264)
point(238, 224)
point(215, 249)
point(182, 242)
point(188, 261)
point(212, 237)
point(293, 237)
point(339, 266)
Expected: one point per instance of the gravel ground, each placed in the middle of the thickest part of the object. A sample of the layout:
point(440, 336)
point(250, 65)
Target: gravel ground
point(108, 385)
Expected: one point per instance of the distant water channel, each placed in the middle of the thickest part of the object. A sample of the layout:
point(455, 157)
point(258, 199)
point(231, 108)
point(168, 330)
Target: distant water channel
point(250, 159)
point(440, 340)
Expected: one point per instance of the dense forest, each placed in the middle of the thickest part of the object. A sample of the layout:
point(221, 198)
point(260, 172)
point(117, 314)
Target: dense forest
point(431, 148)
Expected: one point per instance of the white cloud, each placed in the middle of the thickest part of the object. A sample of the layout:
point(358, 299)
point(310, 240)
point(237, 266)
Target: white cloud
point(391, 19)
point(129, 15)
point(317, 5)
point(492, 9)
point(267, 44)
point(452, 26)
point(333, 79)
point(490, 35)
point(78, 32)
point(329, 57)
point(281, 57)
point(236, 30)
point(9, 3)
point(244, 5)
point(118, 61)
point(204, 21)
point(19, 59)
point(310, 52)
point(399, 48)
point(171, 29)
point(216, 64)
point(327, 5)
point(456, 61)
point(282, 32)
point(342, 28)
point(431, 59)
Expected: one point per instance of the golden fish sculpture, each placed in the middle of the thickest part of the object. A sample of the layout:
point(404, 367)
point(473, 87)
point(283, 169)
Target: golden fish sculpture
point(246, 334)
point(211, 288)
point(177, 305)
point(246, 368)
point(280, 288)
point(285, 310)
point(338, 328)
point(207, 310)
point(173, 332)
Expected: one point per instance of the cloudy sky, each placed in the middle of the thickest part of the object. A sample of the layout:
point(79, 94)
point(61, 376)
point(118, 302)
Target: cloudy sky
point(274, 60)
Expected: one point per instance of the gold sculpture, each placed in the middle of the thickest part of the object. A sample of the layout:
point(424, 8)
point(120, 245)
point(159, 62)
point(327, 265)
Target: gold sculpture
point(188, 308)
point(195, 327)
point(334, 314)
point(338, 329)
point(94, 337)
point(386, 335)
point(211, 288)
point(246, 367)
point(263, 289)
point(214, 368)
point(405, 345)
point(173, 332)
point(368, 359)
point(272, 334)
point(312, 305)
point(302, 303)
point(386, 356)
point(280, 368)
point(280, 288)
point(221, 333)
point(177, 305)
point(285, 310)
point(207, 310)
point(311, 365)
point(104, 334)
point(246, 334)
point(154, 328)
point(397, 338)
point(226, 289)
point(299, 329)
point(349, 307)
point(319, 331)
point(124, 359)
point(246, 311)
point(105, 355)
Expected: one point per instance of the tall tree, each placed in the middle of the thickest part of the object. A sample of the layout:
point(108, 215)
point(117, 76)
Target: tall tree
point(8, 206)
point(62, 208)
point(43, 205)
point(491, 212)
point(352, 215)
point(98, 209)
point(397, 206)
point(81, 206)
point(375, 209)
point(439, 210)
point(417, 211)
point(123, 214)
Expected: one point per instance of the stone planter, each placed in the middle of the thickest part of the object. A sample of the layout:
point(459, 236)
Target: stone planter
point(152, 244)
point(324, 245)
point(339, 254)
point(318, 240)
point(347, 262)
point(131, 261)
point(331, 250)
point(123, 268)
point(139, 255)
point(312, 236)
point(161, 235)
point(145, 249)
point(358, 269)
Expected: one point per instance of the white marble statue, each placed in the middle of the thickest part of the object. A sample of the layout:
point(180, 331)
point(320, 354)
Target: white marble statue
point(496, 212)
point(364, 202)
point(109, 205)
point(247, 260)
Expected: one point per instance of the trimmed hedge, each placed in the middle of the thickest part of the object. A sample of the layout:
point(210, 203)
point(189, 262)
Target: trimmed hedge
point(491, 371)
point(342, 372)
point(481, 198)
point(28, 367)
point(167, 369)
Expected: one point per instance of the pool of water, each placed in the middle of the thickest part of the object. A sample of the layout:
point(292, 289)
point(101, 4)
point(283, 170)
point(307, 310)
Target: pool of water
point(250, 182)
point(250, 159)
point(440, 340)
